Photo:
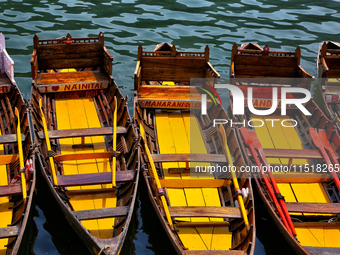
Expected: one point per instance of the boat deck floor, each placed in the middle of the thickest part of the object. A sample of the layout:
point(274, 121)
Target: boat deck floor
point(5, 205)
point(174, 131)
point(82, 113)
point(287, 138)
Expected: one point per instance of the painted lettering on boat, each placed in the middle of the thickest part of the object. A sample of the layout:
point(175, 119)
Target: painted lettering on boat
point(170, 104)
point(261, 103)
point(72, 87)
point(265, 103)
point(5, 88)
point(333, 99)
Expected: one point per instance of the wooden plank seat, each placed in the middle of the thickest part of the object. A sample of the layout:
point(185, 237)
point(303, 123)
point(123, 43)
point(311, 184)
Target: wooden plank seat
point(180, 97)
point(193, 183)
point(11, 138)
point(205, 211)
point(83, 156)
point(71, 77)
point(292, 177)
point(12, 190)
point(82, 132)
point(317, 224)
point(8, 232)
point(96, 178)
point(202, 224)
point(208, 158)
point(102, 213)
point(322, 250)
point(290, 153)
point(319, 208)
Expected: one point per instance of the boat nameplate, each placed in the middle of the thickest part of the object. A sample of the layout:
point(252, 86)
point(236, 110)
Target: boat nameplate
point(53, 88)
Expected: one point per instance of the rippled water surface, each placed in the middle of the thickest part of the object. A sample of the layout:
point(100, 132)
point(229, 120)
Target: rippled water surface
point(190, 25)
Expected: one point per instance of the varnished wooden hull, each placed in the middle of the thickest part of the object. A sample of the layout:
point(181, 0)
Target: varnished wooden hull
point(15, 210)
point(319, 121)
point(149, 116)
point(291, 147)
point(103, 225)
point(322, 77)
point(247, 246)
point(126, 198)
point(22, 208)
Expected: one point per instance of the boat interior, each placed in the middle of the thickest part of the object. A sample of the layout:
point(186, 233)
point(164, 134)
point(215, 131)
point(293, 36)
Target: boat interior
point(329, 74)
point(175, 129)
point(300, 185)
point(80, 119)
point(12, 205)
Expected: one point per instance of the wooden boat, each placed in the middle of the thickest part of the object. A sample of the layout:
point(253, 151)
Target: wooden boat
point(89, 143)
point(328, 64)
point(307, 217)
point(16, 194)
point(197, 210)
point(252, 62)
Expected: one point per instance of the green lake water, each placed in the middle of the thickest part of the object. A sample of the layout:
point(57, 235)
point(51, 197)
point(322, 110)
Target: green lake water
point(190, 25)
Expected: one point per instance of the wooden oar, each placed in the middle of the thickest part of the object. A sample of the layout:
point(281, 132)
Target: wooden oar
point(320, 144)
point(249, 141)
point(155, 176)
point(21, 157)
point(235, 181)
point(280, 198)
point(48, 144)
point(114, 137)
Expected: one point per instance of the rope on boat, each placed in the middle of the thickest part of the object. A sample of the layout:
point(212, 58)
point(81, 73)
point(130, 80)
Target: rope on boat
point(103, 249)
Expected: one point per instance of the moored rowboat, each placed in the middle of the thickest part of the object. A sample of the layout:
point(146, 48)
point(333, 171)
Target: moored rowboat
point(17, 181)
point(198, 210)
point(89, 150)
point(303, 199)
point(328, 65)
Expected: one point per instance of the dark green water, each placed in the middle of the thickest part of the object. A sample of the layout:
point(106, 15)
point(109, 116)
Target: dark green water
point(188, 24)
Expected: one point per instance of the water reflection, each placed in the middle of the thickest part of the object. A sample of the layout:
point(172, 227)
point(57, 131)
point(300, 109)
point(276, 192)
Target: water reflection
point(188, 24)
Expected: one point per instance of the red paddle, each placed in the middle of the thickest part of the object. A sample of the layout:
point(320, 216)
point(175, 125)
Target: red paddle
point(249, 141)
point(321, 141)
point(258, 146)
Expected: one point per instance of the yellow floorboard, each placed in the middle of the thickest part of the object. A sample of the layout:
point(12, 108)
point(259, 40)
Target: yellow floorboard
point(293, 139)
point(81, 113)
point(3, 175)
point(5, 212)
point(277, 135)
point(265, 139)
point(287, 192)
point(331, 237)
point(174, 130)
point(311, 193)
point(5, 220)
